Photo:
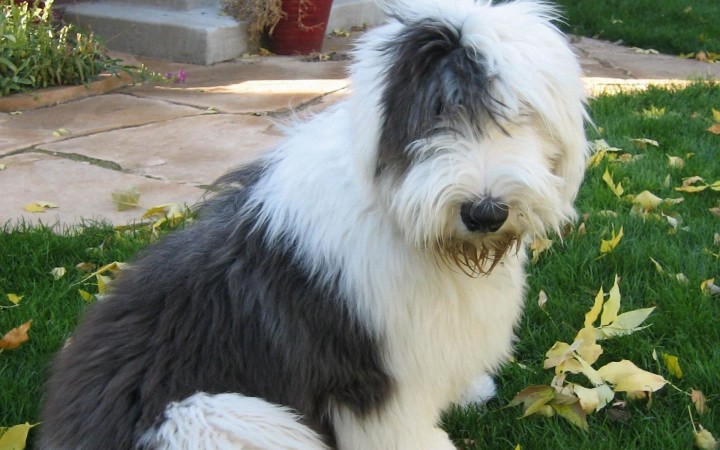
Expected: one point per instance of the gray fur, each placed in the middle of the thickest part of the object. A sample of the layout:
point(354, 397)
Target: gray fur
point(434, 83)
point(214, 308)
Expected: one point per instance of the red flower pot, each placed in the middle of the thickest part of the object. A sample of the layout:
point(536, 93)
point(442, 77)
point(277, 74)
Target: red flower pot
point(302, 30)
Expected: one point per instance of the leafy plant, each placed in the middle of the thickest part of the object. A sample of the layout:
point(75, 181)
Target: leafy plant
point(36, 52)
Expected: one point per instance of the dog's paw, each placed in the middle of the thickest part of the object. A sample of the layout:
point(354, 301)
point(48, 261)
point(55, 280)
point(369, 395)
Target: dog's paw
point(480, 391)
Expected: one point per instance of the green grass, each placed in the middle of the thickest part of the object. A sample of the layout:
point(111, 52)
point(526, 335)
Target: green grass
point(685, 322)
point(29, 253)
point(669, 26)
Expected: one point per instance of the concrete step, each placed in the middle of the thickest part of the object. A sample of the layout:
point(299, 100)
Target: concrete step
point(177, 30)
point(174, 4)
point(189, 31)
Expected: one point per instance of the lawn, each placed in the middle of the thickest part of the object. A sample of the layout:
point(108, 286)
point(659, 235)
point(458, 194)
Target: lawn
point(684, 323)
point(669, 26)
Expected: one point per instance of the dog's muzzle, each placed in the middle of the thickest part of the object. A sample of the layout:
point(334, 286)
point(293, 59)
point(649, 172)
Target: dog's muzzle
point(484, 216)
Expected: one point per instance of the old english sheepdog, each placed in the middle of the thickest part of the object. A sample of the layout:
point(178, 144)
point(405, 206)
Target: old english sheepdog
point(362, 276)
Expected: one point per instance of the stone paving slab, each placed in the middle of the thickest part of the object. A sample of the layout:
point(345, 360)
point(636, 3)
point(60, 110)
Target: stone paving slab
point(251, 85)
point(89, 115)
point(82, 191)
point(185, 151)
point(162, 138)
point(604, 56)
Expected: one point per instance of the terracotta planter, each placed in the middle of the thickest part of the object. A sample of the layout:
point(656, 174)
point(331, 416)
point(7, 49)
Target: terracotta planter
point(302, 30)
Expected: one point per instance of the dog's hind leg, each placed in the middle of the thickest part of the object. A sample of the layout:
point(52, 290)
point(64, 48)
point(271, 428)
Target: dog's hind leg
point(229, 421)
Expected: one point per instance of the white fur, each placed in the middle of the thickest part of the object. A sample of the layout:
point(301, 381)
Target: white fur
point(229, 421)
point(441, 329)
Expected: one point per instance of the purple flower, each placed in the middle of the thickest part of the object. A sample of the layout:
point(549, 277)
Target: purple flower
point(181, 76)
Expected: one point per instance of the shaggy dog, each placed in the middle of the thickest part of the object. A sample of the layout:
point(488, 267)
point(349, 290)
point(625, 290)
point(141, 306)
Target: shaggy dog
point(361, 277)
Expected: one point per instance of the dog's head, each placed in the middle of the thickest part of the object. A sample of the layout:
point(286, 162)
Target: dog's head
point(470, 124)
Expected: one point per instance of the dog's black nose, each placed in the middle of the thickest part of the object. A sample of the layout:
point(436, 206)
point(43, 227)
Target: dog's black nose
point(485, 216)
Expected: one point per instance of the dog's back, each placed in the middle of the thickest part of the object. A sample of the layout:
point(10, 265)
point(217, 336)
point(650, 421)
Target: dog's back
point(215, 308)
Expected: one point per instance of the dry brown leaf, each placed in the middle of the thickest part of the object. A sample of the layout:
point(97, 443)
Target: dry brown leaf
point(714, 129)
point(85, 266)
point(16, 336)
point(699, 400)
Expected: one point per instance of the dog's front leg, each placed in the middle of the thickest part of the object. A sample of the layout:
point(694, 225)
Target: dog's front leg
point(394, 426)
point(480, 391)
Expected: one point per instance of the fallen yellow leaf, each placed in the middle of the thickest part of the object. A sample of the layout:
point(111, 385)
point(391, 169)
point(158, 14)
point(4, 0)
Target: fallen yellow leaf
point(15, 437)
point(542, 299)
point(592, 399)
point(57, 273)
point(627, 377)
point(600, 149)
point(708, 287)
point(533, 398)
point(691, 189)
point(658, 267)
point(673, 365)
point(626, 323)
point(127, 199)
point(558, 353)
point(616, 189)
point(85, 295)
point(34, 208)
point(39, 206)
point(654, 112)
point(676, 162)
point(612, 304)
point(606, 246)
point(592, 315)
point(704, 440)
point(714, 129)
point(642, 143)
point(588, 349)
point(538, 246)
point(647, 200)
point(14, 298)
point(573, 412)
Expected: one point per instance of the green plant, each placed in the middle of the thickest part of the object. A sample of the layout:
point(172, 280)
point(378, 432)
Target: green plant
point(36, 52)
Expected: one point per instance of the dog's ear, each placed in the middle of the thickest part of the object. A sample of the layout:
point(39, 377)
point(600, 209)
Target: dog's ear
point(432, 82)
